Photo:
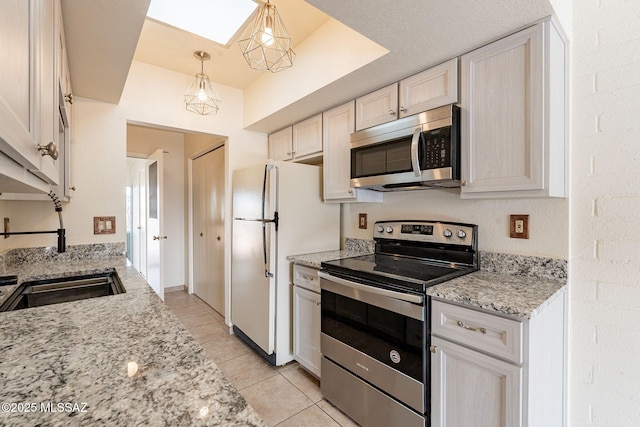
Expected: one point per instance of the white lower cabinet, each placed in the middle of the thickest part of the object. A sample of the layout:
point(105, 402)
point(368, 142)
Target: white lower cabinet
point(306, 318)
point(494, 371)
point(469, 388)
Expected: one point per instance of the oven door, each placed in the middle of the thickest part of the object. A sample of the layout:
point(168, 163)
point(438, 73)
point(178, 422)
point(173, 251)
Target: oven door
point(378, 335)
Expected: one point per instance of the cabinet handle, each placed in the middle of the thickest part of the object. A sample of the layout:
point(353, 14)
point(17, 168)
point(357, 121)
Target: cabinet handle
point(49, 150)
point(305, 277)
point(159, 237)
point(471, 328)
point(392, 113)
point(433, 349)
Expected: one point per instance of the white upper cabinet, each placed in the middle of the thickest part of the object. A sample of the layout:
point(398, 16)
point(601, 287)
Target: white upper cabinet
point(338, 125)
point(513, 116)
point(299, 142)
point(377, 107)
point(429, 89)
point(307, 138)
point(28, 99)
point(281, 144)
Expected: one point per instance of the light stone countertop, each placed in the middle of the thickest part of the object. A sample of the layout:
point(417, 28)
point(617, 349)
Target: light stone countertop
point(517, 295)
point(78, 352)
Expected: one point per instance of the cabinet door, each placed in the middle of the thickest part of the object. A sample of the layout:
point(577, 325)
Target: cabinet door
point(17, 72)
point(377, 107)
point(307, 137)
point(306, 329)
point(502, 115)
point(429, 89)
point(469, 388)
point(47, 88)
point(281, 144)
point(337, 126)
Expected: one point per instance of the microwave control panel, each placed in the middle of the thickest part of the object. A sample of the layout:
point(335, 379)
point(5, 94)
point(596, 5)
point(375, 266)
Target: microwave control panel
point(437, 148)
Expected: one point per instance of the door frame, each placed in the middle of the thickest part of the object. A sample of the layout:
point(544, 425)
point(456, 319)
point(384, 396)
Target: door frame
point(227, 224)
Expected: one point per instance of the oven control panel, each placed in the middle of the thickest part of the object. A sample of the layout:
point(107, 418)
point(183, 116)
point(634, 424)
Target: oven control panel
point(426, 231)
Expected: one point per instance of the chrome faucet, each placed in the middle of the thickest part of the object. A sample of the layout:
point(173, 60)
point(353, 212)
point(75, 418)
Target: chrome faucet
point(60, 231)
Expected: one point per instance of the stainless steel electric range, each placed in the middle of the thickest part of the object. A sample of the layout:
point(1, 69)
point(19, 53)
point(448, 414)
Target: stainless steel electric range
point(375, 319)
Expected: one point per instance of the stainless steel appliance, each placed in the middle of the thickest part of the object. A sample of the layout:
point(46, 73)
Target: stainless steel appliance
point(416, 152)
point(277, 212)
point(375, 319)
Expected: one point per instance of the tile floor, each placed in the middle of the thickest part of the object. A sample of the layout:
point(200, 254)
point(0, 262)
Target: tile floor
point(285, 396)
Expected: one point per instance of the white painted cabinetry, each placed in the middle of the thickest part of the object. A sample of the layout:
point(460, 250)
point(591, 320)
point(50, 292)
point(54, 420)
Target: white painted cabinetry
point(43, 113)
point(429, 89)
point(513, 116)
point(338, 125)
point(492, 371)
point(299, 142)
point(281, 144)
point(306, 318)
point(377, 107)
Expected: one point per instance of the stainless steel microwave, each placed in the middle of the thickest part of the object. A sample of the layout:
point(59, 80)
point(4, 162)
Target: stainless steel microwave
point(415, 152)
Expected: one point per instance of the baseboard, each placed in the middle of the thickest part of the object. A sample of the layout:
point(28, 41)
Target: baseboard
point(176, 289)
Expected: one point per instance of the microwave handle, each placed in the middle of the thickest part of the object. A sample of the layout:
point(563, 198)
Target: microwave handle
point(415, 161)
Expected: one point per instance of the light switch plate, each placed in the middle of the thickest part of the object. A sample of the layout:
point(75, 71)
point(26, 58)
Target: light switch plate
point(104, 225)
point(519, 226)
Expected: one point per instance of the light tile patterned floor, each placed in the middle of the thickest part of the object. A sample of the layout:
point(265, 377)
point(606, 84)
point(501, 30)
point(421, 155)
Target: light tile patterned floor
point(284, 396)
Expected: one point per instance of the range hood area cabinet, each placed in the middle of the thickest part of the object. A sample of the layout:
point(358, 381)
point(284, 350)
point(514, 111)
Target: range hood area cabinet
point(513, 116)
point(424, 91)
point(29, 95)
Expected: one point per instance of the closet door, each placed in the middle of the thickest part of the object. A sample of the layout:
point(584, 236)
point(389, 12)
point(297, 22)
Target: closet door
point(208, 227)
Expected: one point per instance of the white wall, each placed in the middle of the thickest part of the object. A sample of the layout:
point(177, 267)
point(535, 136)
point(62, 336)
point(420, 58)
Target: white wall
point(548, 219)
point(605, 215)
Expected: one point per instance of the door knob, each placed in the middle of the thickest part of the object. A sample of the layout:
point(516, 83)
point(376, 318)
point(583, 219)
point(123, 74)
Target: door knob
point(218, 238)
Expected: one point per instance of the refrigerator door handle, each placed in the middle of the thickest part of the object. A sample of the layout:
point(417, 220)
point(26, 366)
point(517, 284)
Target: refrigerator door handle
point(267, 273)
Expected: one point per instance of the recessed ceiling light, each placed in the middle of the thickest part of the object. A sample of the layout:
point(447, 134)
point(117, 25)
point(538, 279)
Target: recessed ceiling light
point(216, 20)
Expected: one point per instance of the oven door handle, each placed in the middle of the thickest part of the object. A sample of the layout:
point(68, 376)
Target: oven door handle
point(415, 299)
point(415, 161)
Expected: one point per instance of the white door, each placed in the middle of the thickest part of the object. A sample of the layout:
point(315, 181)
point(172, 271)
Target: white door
point(208, 228)
point(142, 223)
point(155, 236)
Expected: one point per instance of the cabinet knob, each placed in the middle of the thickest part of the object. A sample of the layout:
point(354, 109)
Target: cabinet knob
point(433, 349)
point(72, 188)
point(318, 303)
point(403, 110)
point(392, 112)
point(49, 150)
point(218, 238)
point(201, 234)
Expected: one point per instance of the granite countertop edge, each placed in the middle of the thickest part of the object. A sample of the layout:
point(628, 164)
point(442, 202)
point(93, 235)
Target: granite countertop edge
point(518, 296)
point(78, 352)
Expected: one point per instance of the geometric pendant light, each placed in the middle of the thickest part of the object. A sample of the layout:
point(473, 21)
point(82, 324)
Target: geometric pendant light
point(267, 44)
point(201, 97)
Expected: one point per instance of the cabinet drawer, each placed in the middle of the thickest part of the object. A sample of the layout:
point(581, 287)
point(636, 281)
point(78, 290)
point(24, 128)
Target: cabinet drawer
point(492, 334)
point(306, 277)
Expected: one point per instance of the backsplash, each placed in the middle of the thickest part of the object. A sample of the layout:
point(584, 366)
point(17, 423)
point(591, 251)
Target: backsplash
point(16, 257)
point(554, 269)
point(520, 265)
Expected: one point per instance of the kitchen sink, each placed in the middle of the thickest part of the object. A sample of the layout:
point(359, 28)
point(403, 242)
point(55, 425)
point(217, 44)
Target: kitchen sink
point(63, 289)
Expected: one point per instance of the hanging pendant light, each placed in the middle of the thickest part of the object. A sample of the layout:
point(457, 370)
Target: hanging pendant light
point(201, 97)
point(267, 46)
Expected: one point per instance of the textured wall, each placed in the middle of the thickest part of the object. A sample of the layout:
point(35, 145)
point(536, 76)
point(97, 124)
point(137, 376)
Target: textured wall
point(605, 215)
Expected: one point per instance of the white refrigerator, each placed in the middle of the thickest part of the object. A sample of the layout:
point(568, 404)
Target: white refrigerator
point(277, 212)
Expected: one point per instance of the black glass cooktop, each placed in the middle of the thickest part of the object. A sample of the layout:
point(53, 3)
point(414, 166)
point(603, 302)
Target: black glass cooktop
point(396, 272)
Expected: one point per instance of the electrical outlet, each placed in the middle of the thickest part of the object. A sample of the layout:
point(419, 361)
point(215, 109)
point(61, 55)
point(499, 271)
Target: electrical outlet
point(362, 221)
point(519, 226)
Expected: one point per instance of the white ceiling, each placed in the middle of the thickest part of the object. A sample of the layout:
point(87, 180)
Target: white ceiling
point(418, 34)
